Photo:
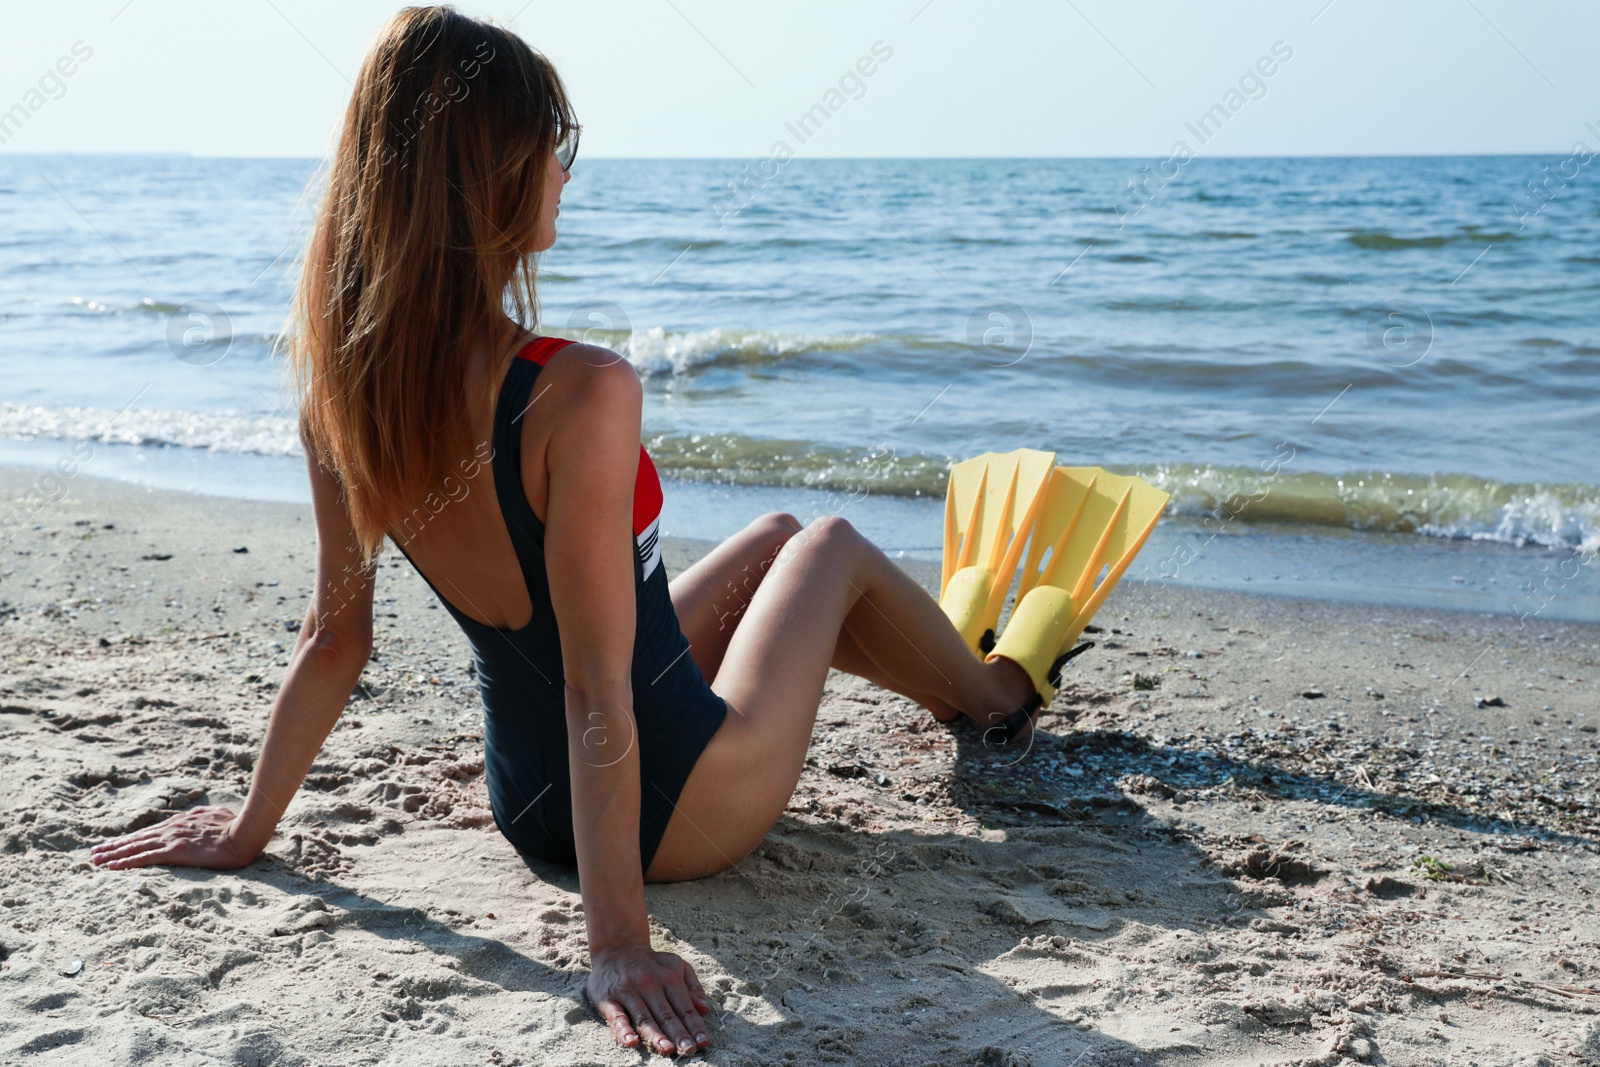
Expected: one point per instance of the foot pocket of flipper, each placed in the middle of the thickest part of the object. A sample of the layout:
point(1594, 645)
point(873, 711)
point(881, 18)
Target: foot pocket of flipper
point(998, 737)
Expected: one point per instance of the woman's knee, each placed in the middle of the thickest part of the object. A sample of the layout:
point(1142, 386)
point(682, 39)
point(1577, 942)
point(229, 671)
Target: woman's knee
point(772, 531)
point(777, 526)
point(826, 534)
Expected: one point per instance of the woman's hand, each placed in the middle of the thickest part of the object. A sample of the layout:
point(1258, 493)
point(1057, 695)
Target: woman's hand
point(650, 995)
point(199, 837)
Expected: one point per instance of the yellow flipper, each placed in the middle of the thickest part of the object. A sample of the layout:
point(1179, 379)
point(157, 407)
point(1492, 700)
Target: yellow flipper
point(1092, 523)
point(989, 508)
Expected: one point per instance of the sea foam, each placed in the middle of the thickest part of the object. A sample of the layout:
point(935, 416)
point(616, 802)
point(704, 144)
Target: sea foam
point(222, 431)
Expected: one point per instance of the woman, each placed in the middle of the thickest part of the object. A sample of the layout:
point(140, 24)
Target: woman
point(509, 470)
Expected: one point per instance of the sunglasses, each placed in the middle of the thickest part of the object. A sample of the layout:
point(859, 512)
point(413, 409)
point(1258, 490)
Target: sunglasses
point(567, 149)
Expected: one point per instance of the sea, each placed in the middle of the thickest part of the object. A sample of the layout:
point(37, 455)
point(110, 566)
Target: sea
point(1369, 379)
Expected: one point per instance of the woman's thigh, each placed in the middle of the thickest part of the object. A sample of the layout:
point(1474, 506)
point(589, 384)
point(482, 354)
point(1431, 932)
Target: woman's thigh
point(772, 677)
point(711, 597)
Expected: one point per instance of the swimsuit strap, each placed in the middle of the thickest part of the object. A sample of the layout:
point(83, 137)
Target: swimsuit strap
point(540, 349)
point(509, 411)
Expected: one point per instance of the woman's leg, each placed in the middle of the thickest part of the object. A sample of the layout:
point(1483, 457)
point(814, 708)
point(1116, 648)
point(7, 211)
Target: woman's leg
point(853, 659)
point(825, 581)
point(710, 598)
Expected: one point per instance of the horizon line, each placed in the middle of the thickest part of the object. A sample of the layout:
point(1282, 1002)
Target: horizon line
point(860, 158)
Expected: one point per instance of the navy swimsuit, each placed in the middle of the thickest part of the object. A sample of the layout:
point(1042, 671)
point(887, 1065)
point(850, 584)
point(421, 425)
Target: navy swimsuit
point(520, 674)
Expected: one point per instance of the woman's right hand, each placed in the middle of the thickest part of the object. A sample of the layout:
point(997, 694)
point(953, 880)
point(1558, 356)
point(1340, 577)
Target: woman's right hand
point(199, 837)
point(648, 995)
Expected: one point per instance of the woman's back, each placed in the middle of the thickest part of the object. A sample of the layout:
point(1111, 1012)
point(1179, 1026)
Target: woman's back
point(479, 542)
point(457, 537)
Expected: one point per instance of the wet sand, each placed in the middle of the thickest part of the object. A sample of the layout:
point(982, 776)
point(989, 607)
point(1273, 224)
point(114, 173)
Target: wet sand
point(1249, 830)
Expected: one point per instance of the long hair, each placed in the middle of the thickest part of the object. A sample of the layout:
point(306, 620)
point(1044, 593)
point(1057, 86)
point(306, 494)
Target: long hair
point(422, 243)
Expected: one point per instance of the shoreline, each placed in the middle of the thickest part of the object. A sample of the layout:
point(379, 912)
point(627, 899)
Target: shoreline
point(28, 495)
point(1323, 563)
point(1250, 829)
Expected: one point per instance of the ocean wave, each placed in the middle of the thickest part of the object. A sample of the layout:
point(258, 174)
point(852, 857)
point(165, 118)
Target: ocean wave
point(734, 459)
point(658, 351)
point(1383, 241)
point(147, 306)
point(224, 431)
point(1450, 506)
point(1181, 304)
point(652, 351)
point(672, 243)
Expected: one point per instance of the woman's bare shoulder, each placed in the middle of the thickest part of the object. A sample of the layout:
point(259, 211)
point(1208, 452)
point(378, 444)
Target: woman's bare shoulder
point(597, 399)
point(583, 357)
point(593, 376)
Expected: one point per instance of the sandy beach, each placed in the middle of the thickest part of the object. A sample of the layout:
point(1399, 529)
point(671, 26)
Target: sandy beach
point(1248, 831)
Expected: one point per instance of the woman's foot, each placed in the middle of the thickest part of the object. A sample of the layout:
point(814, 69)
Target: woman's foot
point(1002, 725)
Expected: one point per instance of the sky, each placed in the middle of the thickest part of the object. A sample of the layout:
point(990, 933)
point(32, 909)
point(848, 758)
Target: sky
point(721, 78)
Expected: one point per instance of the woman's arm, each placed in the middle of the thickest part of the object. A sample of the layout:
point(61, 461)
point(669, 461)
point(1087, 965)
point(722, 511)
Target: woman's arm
point(593, 459)
point(334, 643)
